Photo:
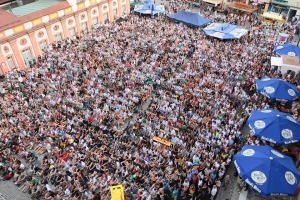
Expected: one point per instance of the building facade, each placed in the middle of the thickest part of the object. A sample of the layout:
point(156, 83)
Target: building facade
point(22, 39)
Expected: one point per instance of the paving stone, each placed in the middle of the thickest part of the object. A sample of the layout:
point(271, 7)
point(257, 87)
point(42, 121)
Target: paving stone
point(10, 191)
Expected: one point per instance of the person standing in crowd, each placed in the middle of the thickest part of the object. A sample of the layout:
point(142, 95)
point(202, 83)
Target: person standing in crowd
point(155, 106)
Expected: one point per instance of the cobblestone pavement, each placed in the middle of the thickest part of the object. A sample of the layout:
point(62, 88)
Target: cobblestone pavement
point(10, 191)
point(253, 195)
point(231, 192)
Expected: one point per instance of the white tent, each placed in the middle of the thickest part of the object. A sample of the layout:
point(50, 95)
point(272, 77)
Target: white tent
point(286, 63)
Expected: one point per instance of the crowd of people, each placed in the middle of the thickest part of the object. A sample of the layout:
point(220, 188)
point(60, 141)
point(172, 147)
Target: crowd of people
point(87, 116)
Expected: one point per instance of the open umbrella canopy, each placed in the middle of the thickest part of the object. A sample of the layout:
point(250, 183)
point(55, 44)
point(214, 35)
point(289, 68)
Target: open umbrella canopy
point(189, 18)
point(287, 49)
point(149, 8)
point(225, 31)
point(277, 89)
point(274, 126)
point(267, 171)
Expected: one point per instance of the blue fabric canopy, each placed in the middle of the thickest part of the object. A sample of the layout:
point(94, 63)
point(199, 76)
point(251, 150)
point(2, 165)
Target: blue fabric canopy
point(190, 18)
point(225, 31)
point(287, 49)
point(274, 126)
point(277, 89)
point(267, 171)
point(148, 8)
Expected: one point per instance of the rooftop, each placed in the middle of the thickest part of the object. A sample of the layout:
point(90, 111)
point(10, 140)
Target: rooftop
point(34, 6)
point(30, 12)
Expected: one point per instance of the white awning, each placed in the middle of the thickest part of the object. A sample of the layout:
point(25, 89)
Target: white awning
point(283, 67)
point(212, 2)
point(272, 16)
point(276, 61)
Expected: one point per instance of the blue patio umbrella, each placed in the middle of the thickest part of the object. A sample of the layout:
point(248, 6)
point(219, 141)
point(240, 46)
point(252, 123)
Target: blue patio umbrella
point(267, 171)
point(274, 126)
point(287, 49)
point(277, 89)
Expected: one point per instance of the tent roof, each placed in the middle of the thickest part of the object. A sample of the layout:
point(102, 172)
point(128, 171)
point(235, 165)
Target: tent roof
point(225, 28)
point(9, 20)
point(35, 6)
point(189, 18)
point(225, 31)
point(148, 8)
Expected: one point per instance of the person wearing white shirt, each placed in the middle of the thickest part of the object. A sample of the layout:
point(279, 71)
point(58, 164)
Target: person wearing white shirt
point(67, 192)
point(196, 159)
point(213, 192)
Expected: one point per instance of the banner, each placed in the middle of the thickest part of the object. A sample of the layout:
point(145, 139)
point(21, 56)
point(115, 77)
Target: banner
point(117, 192)
point(162, 141)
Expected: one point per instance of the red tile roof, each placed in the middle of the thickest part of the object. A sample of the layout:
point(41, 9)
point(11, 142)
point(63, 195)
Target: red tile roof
point(8, 20)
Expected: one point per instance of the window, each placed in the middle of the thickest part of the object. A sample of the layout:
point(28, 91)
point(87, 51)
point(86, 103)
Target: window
point(95, 20)
point(27, 54)
point(6, 49)
point(28, 57)
point(72, 33)
point(23, 41)
point(115, 13)
point(105, 17)
point(11, 63)
point(70, 22)
point(58, 37)
point(41, 34)
point(83, 26)
point(123, 10)
point(56, 27)
point(78, 1)
point(43, 45)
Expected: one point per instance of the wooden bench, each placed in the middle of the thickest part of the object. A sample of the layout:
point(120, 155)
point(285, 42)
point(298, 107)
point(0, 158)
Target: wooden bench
point(241, 6)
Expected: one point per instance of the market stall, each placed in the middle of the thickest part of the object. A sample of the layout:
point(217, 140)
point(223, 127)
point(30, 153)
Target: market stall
point(276, 17)
point(213, 2)
point(285, 63)
point(242, 7)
